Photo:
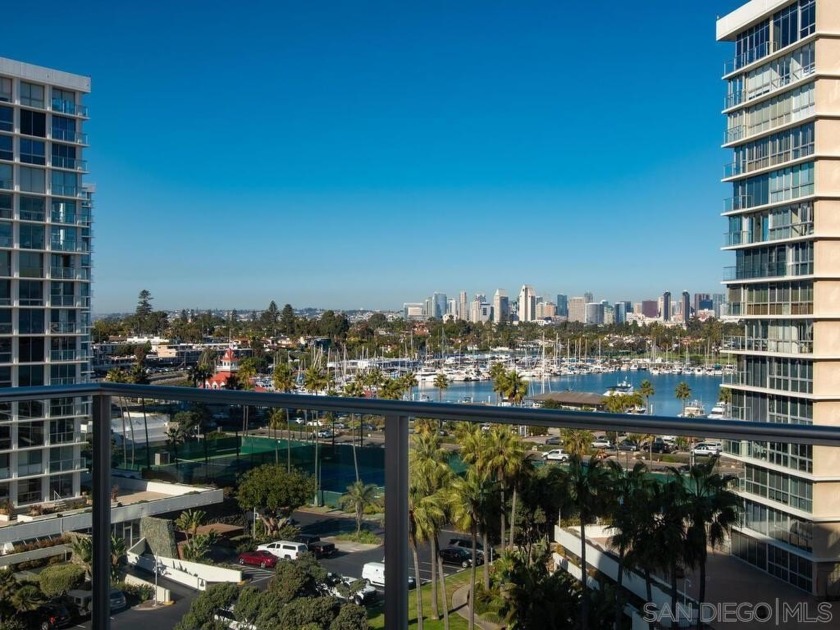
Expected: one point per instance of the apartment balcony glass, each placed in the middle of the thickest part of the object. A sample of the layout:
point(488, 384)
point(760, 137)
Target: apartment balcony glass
point(63, 355)
point(749, 56)
point(754, 156)
point(27, 470)
point(69, 163)
point(65, 465)
point(769, 270)
point(749, 237)
point(758, 344)
point(70, 135)
point(772, 76)
point(69, 107)
point(786, 378)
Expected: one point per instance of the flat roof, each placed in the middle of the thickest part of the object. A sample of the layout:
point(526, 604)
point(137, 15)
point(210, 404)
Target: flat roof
point(31, 72)
point(745, 16)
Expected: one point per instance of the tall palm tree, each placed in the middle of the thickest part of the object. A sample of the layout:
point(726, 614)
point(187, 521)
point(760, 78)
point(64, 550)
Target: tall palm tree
point(423, 510)
point(441, 382)
point(632, 492)
point(590, 492)
point(682, 392)
point(118, 556)
point(512, 387)
point(358, 497)
point(502, 461)
point(430, 476)
point(646, 389)
point(712, 509)
point(469, 497)
point(283, 379)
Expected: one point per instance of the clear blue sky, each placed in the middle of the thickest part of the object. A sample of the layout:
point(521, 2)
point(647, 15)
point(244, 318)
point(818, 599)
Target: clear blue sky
point(363, 154)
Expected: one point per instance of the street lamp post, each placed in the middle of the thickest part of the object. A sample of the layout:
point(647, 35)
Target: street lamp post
point(159, 568)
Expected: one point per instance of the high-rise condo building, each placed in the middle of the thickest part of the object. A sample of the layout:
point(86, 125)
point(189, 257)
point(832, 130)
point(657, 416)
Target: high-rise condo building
point(650, 308)
point(501, 306)
point(685, 306)
point(783, 215)
point(577, 309)
point(562, 305)
point(45, 263)
point(527, 305)
point(702, 301)
point(463, 306)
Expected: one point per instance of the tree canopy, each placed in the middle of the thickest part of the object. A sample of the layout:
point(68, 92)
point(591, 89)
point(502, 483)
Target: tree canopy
point(275, 493)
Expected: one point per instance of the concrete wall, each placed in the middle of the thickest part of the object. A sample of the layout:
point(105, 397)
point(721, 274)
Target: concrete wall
point(193, 574)
point(163, 594)
point(35, 554)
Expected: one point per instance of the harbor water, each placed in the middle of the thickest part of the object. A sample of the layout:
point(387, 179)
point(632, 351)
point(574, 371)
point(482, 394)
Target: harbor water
point(703, 388)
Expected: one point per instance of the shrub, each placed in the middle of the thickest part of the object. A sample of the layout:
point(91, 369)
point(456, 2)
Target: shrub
point(60, 578)
point(135, 593)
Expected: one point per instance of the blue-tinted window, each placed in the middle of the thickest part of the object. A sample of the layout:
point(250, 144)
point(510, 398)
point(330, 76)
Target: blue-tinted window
point(63, 128)
point(31, 208)
point(33, 151)
point(6, 152)
point(31, 236)
point(6, 176)
point(33, 123)
point(31, 321)
point(5, 206)
point(7, 119)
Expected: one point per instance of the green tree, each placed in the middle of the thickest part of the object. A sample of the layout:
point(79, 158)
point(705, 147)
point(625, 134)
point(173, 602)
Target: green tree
point(28, 597)
point(358, 498)
point(682, 392)
point(189, 521)
point(57, 579)
point(590, 492)
point(198, 546)
point(275, 493)
point(288, 322)
point(646, 389)
point(82, 547)
point(576, 442)
point(441, 382)
point(144, 311)
point(712, 508)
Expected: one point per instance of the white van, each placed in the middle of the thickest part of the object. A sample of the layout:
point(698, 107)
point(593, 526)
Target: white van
point(374, 573)
point(284, 549)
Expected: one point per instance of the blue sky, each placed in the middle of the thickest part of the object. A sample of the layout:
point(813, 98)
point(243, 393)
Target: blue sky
point(364, 154)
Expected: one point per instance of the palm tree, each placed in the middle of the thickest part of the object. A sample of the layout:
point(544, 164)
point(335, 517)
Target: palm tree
point(469, 497)
point(283, 379)
point(430, 476)
point(8, 587)
point(28, 597)
point(646, 389)
point(408, 382)
point(512, 387)
point(682, 393)
point(358, 497)
point(712, 509)
point(502, 461)
point(725, 395)
point(118, 556)
point(577, 442)
point(632, 489)
point(590, 492)
point(189, 521)
point(83, 551)
point(442, 384)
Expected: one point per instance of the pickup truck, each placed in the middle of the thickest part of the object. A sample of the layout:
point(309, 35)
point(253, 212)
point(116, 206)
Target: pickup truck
point(319, 548)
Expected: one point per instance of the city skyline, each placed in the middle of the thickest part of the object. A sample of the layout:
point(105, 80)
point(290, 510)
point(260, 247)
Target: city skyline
point(368, 178)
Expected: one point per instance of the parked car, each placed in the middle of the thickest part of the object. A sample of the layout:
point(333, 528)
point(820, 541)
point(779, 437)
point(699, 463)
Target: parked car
point(628, 445)
point(601, 442)
point(661, 446)
point(356, 590)
point(286, 549)
point(707, 448)
point(553, 440)
point(466, 543)
point(259, 558)
point(374, 573)
point(317, 546)
point(48, 616)
point(459, 556)
point(556, 455)
point(118, 601)
point(324, 433)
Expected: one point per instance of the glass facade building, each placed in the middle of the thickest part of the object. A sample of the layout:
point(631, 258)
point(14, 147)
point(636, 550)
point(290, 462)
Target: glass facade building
point(783, 216)
point(45, 274)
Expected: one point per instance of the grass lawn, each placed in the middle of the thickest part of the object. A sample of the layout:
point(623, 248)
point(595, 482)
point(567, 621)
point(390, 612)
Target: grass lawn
point(376, 615)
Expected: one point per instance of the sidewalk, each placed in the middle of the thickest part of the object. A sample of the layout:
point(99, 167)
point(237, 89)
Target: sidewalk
point(460, 605)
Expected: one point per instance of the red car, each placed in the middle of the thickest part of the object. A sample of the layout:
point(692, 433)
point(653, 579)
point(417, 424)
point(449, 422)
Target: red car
point(262, 559)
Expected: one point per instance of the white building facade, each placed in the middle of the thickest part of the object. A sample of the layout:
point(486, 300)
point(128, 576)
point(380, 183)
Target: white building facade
point(45, 264)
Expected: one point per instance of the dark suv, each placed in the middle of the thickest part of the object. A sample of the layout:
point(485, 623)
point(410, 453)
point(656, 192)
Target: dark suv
point(459, 556)
point(314, 543)
point(47, 617)
point(466, 543)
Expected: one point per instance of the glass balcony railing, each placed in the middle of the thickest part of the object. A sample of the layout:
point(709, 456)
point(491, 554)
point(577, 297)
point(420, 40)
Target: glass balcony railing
point(71, 136)
point(27, 470)
point(743, 167)
point(393, 416)
point(738, 202)
point(750, 56)
point(776, 82)
point(758, 344)
point(769, 270)
point(741, 309)
point(67, 163)
point(67, 191)
point(745, 237)
point(63, 355)
point(69, 107)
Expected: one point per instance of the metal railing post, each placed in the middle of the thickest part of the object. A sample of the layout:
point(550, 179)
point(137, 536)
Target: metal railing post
point(396, 522)
point(101, 544)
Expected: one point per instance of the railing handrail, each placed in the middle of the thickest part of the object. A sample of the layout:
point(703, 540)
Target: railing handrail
point(804, 434)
